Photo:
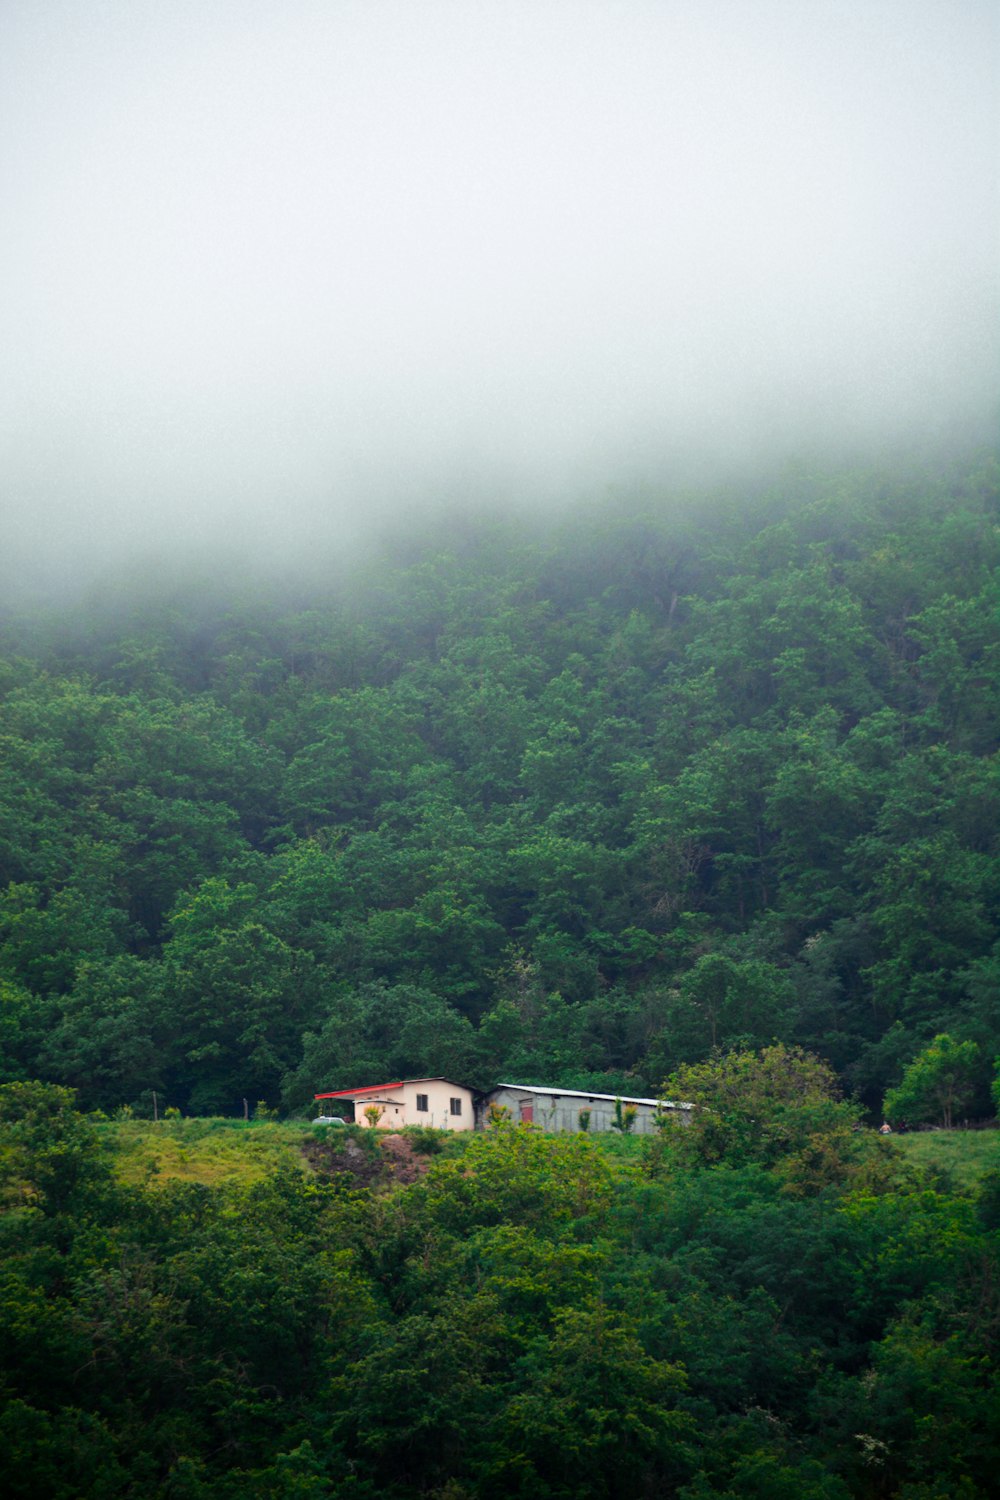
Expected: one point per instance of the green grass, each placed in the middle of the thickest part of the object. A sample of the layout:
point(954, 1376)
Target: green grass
point(960, 1156)
point(212, 1151)
point(216, 1151)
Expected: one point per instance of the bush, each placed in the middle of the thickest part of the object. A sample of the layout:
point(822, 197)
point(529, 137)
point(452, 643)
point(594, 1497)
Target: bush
point(425, 1139)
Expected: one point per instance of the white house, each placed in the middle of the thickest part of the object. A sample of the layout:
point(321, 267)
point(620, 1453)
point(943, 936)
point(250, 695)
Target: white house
point(411, 1101)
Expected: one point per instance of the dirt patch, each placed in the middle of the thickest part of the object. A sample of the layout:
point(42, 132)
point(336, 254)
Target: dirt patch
point(394, 1161)
point(329, 1158)
point(404, 1163)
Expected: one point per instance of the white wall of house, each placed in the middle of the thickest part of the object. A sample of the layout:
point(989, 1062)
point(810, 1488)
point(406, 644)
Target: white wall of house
point(391, 1103)
point(416, 1101)
point(438, 1102)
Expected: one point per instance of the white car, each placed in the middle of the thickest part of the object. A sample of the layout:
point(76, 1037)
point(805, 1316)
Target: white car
point(329, 1120)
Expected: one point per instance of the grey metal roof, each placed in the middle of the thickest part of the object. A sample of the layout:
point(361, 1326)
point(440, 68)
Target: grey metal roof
point(527, 1088)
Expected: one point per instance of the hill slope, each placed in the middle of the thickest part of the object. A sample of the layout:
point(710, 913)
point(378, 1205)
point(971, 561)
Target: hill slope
point(577, 805)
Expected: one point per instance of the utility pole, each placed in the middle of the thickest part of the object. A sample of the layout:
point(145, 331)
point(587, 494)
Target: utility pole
point(156, 1115)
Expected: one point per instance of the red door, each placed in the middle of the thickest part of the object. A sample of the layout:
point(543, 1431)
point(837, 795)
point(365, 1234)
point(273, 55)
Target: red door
point(527, 1114)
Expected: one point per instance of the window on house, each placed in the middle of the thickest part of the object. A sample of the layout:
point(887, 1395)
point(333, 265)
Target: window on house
point(422, 1103)
point(456, 1106)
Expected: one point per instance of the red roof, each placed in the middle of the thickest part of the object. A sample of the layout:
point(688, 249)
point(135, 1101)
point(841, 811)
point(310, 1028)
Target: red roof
point(373, 1088)
point(377, 1088)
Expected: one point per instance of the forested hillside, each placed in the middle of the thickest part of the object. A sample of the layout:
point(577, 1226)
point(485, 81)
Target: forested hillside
point(783, 1310)
point(576, 803)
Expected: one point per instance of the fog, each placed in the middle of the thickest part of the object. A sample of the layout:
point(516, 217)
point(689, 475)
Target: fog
point(273, 274)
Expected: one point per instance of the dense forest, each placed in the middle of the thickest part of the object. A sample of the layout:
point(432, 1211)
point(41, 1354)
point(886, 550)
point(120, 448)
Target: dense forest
point(767, 1305)
point(698, 798)
point(577, 802)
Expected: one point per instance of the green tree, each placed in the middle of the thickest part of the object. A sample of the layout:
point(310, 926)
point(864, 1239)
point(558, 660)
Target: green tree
point(107, 1038)
point(726, 1002)
point(234, 998)
point(780, 1104)
point(938, 1083)
point(52, 1155)
point(597, 1413)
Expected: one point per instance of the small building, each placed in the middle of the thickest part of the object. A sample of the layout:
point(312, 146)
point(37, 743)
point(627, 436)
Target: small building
point(560, 1109)
point(411, 1101)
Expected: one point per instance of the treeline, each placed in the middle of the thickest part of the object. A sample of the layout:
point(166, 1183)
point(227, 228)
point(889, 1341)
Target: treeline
point(576, 804)
point(768, 1305)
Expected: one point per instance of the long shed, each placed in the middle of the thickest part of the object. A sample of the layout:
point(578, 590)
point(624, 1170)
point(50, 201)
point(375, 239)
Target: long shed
point(560, 1109)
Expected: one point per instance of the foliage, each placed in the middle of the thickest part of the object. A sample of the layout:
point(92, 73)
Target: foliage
point(575, 805)
point(51, 1156)
point(938, 1082)
point(548, 1315)
point(779, 1104)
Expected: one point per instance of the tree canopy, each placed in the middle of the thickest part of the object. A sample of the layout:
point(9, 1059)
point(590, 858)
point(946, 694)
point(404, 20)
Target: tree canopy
point(583, 803)
point(552, 1316)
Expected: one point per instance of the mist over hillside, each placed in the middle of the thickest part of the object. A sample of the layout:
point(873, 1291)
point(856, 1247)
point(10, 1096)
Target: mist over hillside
point(272, 281)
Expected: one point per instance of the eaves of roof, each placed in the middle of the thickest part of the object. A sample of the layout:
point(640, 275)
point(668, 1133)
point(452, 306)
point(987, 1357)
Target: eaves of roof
point(379, 1088)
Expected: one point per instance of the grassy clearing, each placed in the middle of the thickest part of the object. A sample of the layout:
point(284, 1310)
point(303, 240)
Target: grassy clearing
point(216, 1151)
point(212, 1151)
point(959, 1156)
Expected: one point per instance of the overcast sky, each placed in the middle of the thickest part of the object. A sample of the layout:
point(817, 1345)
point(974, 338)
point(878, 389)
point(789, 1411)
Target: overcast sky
point(270, 269)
